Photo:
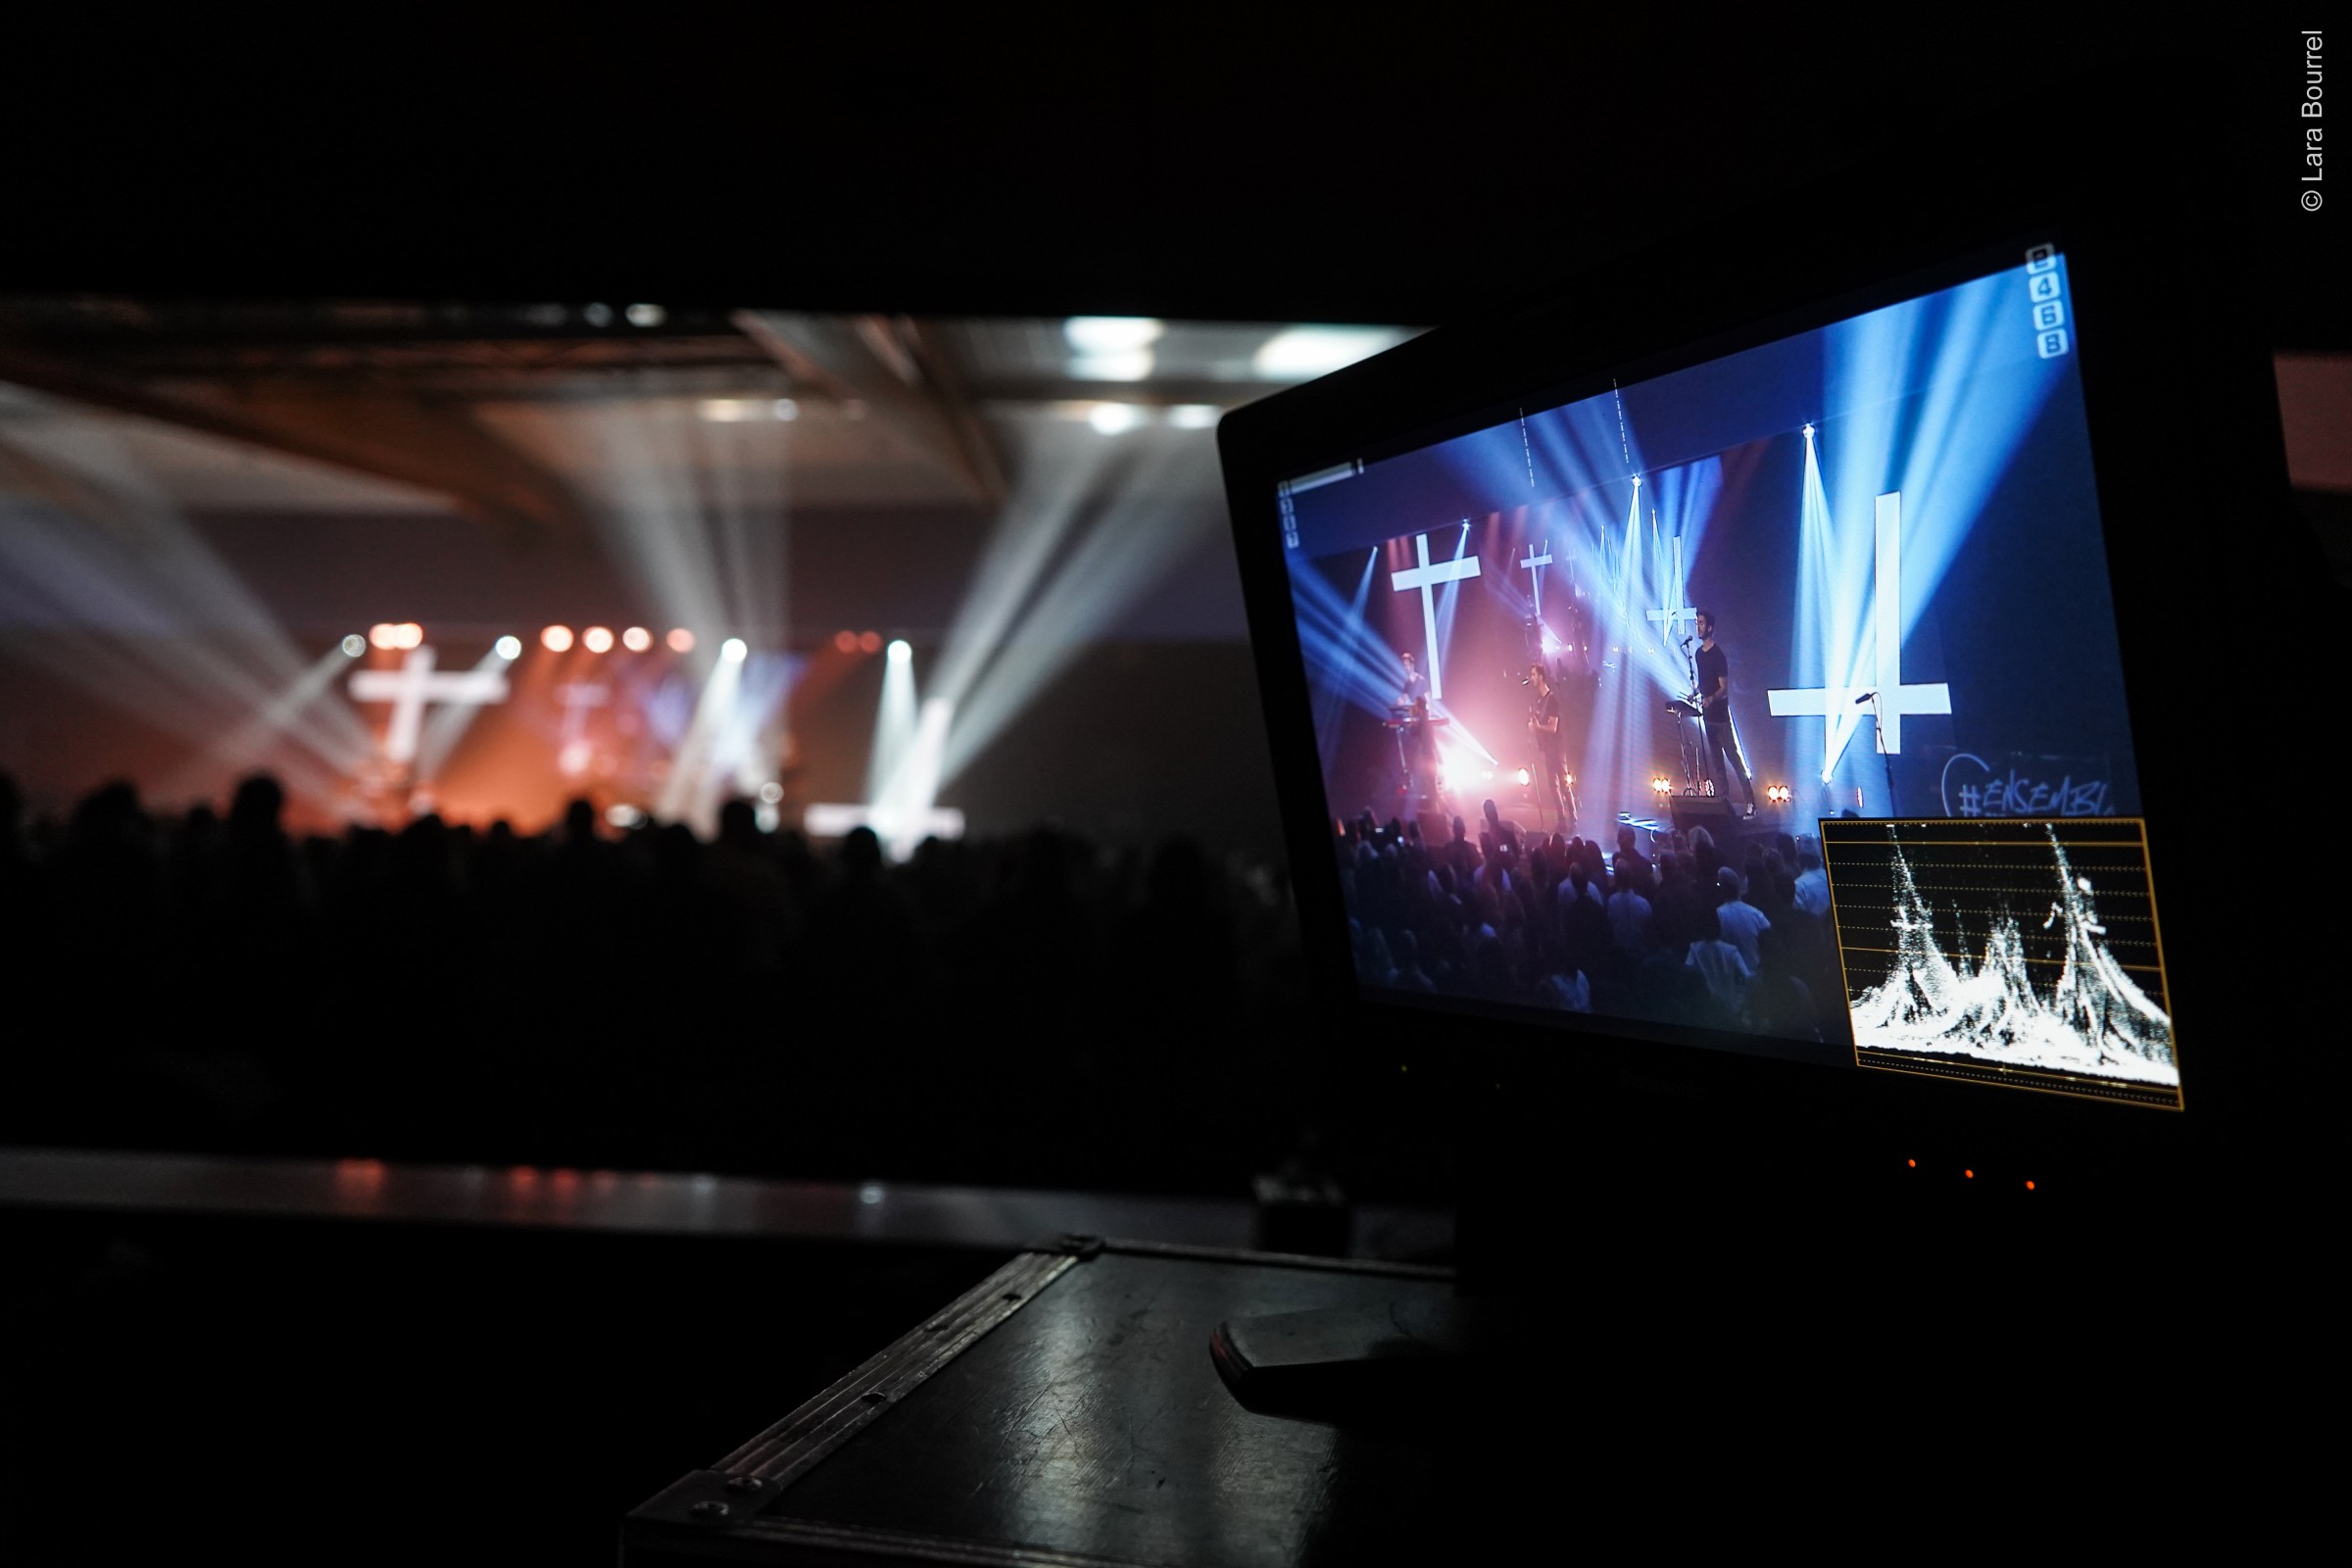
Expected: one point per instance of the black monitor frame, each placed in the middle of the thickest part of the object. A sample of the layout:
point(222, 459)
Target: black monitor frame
point(2185, 433)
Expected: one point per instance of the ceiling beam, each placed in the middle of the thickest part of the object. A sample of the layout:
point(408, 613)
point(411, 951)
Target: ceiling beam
point(893, 368)
point(385, 433)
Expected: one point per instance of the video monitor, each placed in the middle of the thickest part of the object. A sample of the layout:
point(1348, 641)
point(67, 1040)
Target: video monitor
point(1765, 697)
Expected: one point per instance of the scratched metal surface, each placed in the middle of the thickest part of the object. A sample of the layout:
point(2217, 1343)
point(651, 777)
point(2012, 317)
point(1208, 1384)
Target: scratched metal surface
point(1093, 1422)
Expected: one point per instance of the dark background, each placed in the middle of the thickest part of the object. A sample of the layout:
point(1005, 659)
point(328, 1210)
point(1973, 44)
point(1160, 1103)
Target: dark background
point(383, 1392)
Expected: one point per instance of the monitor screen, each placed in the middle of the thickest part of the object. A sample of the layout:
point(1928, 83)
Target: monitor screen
point(1766, 698)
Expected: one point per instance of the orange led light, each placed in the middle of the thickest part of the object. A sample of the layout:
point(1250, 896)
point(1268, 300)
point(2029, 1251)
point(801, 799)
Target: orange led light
point(1913, 1163)
point(1970, 1174)
point(2028, 1186)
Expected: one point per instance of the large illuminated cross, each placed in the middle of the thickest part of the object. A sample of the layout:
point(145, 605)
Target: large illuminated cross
point(1668, 614)
point(1532, 564)
point(1836, 704)
point(408, 687)
point(1426, 577)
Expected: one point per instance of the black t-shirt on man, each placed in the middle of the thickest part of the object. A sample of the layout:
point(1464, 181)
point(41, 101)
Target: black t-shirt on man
point(1548, 709)
point(1713, 670)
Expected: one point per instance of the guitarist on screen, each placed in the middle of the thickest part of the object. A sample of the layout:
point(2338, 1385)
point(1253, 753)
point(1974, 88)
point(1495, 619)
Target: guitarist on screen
point(1544, 723)
point(1715, 707)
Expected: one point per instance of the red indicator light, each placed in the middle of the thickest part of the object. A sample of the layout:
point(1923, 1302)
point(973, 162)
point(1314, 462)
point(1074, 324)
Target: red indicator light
point(2028, 1186)
point(1913, 1163)
point(1970, 1174)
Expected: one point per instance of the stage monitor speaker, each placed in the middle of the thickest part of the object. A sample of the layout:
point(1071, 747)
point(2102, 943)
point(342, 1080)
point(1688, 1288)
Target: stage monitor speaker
point(1714, 812)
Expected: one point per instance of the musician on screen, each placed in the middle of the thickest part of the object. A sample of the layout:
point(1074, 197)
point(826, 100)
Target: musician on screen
point(1544, 721)
point(1416, 684)
point(1715, 707)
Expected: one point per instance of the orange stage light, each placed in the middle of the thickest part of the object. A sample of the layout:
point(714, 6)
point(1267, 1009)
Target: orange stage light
point(846, 641)
point(871, 642)
point(383, 634)
point(681, 641)
point(597, 639)
point(555, 639)
point(636, 639)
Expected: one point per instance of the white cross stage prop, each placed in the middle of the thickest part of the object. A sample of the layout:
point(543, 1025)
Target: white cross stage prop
point(1532, 563)
point(577, 698)
point(1426, 577)
point(1668, 614)
point(408, 687)
point(836, 819)
point(1836, 704)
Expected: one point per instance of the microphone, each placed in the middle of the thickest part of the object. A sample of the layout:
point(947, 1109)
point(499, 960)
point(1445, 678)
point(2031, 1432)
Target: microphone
point(1864, 698)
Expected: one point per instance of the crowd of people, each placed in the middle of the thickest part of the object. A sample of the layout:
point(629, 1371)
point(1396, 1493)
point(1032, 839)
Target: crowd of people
point(1682, 932)
point(1019, 1009)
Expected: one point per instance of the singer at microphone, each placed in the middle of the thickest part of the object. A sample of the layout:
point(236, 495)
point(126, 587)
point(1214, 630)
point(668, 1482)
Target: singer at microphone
point(1715, 706)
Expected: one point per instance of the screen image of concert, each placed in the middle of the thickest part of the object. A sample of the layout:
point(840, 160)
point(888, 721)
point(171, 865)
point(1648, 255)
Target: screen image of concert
point(1587, 682)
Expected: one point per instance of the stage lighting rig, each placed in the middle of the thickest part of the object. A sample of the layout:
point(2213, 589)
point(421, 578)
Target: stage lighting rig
point(597, 639)
point(681, 641)
point(555, 639)
point(636, 639)
point(355, 645)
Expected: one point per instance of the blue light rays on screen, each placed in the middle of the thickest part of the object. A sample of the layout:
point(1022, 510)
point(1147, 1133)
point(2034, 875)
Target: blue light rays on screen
point(1339, 652)
point(1930, 401)
point(1925, 404)
point(1346, 660)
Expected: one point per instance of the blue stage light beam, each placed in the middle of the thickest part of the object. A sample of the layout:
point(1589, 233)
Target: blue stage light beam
point(1059, 463)
point(1328, 699)
point(697, 510)
point(749, 740)
point(904, 813)
point(450, 721)
point(894, 724)
point(1931, 400)
point(1168, 503)
point(125, 600)
point(249, 744)
point(690, 791)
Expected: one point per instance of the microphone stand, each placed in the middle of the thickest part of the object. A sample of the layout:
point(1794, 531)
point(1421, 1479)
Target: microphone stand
point(1694, 757)
point(1877, 729)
